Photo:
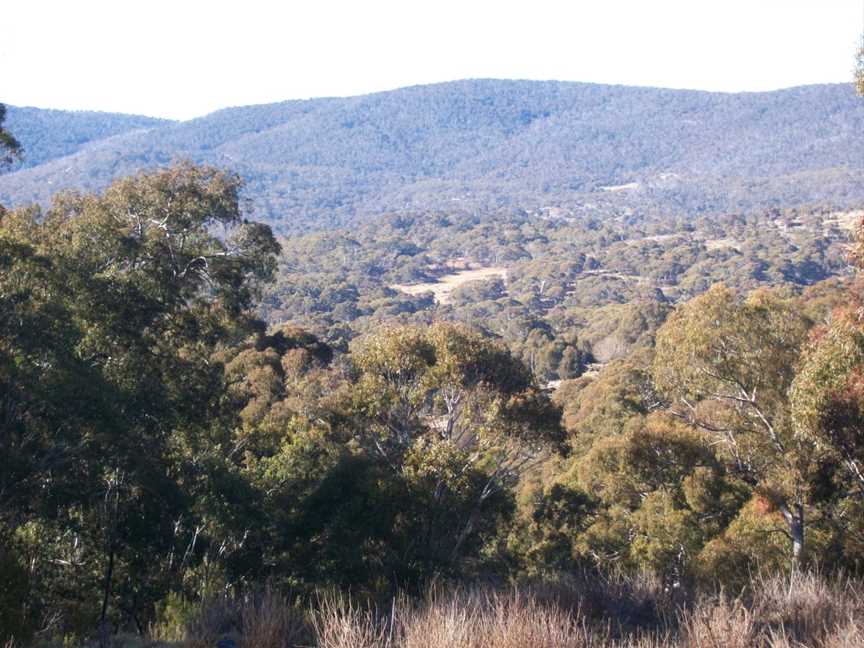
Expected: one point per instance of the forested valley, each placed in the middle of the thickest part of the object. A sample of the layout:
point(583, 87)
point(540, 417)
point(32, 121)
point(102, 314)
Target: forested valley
point(441, 427)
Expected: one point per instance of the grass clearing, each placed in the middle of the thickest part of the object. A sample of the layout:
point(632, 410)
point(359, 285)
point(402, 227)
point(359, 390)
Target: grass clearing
point(447, 283)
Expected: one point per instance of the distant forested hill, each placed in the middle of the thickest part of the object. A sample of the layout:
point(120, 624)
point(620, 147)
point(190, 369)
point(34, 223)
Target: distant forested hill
point(52, 134)
point(547, 147)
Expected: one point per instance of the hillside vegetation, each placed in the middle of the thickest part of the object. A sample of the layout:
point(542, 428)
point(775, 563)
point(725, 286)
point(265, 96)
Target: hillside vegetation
point(552, 148)
point(562, 293)
point(50, 134)
point(176, 467)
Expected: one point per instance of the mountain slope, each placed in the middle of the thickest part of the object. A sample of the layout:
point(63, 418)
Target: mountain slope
point(483, 144)
point(51, 134)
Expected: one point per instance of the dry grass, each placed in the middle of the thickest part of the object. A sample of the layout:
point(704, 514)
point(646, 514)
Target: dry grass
point(722, 244)
point(800, 610)
point(447, 283)
point(215, 620)
point(461, 620)
point(569, 614)
point(262, 620)
point(797, 611)
point(804, 610)
point(270, 621)
point(340, 623)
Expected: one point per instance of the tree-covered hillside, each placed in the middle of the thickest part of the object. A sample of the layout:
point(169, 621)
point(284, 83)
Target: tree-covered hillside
point(548, 147)
point(51, 134)
point(560, 293)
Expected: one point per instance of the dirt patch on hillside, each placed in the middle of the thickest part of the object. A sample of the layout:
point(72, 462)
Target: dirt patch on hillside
point(848, 220)
point(449, 282)
point(722, 244)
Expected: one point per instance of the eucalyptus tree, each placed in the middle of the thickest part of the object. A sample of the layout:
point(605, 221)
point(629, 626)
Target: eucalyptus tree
point(827, 400)
point(725, 364)
point(117, 304)
point(453, 413)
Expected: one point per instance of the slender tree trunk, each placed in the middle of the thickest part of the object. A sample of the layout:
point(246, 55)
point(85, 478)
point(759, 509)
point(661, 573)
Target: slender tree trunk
point(103, 621)
point(795, 519)
point(468, 529)
point(104, 634)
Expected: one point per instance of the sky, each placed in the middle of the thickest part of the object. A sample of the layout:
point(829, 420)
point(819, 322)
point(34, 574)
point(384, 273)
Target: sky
point(184, 58)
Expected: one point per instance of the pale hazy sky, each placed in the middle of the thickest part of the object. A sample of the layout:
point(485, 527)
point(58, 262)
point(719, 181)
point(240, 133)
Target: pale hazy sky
point(184, 58)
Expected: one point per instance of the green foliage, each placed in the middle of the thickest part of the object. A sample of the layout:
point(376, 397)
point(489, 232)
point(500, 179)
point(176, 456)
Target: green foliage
point(666, 535)
point(113, 307)
point(172, 616)
point(827, 397)
point(452, 378)
point(600, 406)
point(719, 348)
point(727, 366)
point(670, 444)
point(459, 420)
point(378, 470)
point(827, 408)
point(548, 527)
point(16, 622)
point(753, 542)
point(661, 492)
